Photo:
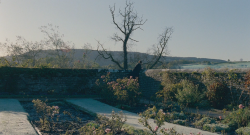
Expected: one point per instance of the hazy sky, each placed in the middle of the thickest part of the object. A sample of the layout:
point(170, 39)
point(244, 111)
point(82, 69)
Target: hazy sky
point(218, 29)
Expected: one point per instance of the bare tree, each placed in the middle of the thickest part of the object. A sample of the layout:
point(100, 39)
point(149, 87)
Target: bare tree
point(32, 50)
point(62, 50)
point(160, 49)
point(130, 22)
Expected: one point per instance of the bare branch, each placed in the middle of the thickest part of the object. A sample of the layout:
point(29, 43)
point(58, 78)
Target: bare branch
point(162, 45)
point(113, 17)
point(109, 55)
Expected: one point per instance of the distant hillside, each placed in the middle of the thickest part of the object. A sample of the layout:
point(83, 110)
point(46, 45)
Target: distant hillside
point(132, 56)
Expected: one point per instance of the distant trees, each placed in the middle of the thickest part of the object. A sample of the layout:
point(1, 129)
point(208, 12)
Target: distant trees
point(130, 22)
point(63, 50)
point(23, 51)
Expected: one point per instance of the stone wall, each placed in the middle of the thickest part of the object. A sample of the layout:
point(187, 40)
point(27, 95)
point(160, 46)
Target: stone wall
point(80, 81)
point(53, 81)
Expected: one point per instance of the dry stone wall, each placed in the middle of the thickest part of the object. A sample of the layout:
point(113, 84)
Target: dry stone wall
point(80, 81)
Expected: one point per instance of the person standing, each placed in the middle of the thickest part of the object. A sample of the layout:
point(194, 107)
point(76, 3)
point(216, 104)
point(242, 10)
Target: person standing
point(136, 70)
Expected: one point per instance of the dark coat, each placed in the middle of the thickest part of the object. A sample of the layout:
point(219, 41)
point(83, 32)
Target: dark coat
point(136, 70)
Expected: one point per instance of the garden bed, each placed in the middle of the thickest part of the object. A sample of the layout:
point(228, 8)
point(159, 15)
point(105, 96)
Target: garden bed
point(175, 115)
point(62, 122)
point(69, 120)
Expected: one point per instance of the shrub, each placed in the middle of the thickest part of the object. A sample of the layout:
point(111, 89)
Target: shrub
point(121, 91)
point(189, 95)
point(159, 117)
point(126, 90)
point(216, 127)
point(243, 131)
point(176, 115)
point(104, 125)
point(238, 118)
point(46, 114)
point(170, 106)
point(180, 122)
point(106, 91)
point(217, 94)
point(204, 104)
point(168, 92)
point(205, 120)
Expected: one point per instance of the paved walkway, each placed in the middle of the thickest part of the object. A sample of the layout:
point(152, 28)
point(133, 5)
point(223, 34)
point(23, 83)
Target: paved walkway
point(13, 119)
point(93, 106)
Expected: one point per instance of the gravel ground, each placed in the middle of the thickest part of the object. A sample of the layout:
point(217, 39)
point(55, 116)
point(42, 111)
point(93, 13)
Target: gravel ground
point(63, 122)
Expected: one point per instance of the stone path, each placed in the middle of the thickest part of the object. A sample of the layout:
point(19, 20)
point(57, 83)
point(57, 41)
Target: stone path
point(13, 119)
point(96, 107)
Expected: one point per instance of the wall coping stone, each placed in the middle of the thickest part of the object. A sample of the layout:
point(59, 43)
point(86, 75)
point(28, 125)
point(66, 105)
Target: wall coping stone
point(221, 70)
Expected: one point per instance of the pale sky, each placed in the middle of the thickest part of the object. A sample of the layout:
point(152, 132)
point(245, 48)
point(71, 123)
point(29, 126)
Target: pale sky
point(218, 29)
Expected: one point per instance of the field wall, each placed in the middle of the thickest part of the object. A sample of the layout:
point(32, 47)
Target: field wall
point(37, 81)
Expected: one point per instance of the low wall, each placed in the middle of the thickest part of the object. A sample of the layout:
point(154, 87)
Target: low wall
point(35, 81)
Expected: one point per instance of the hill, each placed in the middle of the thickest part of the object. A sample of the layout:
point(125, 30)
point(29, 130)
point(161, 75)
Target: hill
point(133, 57)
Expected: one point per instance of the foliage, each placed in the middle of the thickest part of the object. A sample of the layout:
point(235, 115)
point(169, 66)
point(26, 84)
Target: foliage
point(216, 127)
point(168, 92)
point(180, 122)
point(217, 94)
point(126, 90)
point(46, 114)
point(170, 86)
point(104, 124)
point(238, 118)
point(204, 120)
point(159, 117)
point(170, 106)
point(105, 90)
point(177, 115)
point(243, 131)
point(189, 95)
point(122, 91)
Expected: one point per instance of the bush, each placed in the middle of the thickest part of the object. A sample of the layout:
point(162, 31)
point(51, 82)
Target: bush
point(180, 122)
point(204, 104)
point(243, 131)
point(205, 120)
point(189, 95)
point(159, 117)
point(46, 114)
point(126, 90)
point(168, 92)
point(216, 127)
point(106, 91)
point(238, 118)
point(170, 86)
point(176, 115)
point(121, 91)
point(170, 106)
point(104, 125)
point(217, 94)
